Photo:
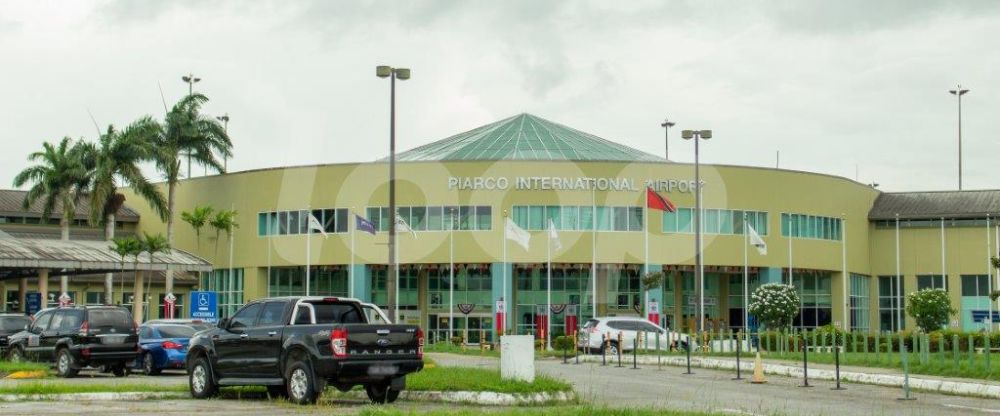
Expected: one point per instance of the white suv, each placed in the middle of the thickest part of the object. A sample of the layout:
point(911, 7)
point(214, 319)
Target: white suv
point(629, 327)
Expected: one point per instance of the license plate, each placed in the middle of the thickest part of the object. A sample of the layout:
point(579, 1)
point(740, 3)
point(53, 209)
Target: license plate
point(382, 370)
point(120, 339)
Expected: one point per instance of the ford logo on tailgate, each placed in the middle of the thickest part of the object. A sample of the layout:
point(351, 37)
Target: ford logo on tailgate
point(382, 342)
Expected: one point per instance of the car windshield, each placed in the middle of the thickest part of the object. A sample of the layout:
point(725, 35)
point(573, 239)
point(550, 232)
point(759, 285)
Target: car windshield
point(176, 331)
point(14, 323)
point(590, 323)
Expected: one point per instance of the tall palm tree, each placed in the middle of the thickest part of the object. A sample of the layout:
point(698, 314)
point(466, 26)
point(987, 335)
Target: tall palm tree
point(59, 179)
point(224, 220)
point(151, 244)
point(115, 162)
point(186, 130)
point(197, 219)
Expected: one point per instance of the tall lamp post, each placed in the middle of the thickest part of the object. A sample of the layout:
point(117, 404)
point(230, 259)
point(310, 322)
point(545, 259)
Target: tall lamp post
point(190, 79)
point(384, 71)
point(959, 92)
point(225, 127)
point(699, 270)
point(667, 124)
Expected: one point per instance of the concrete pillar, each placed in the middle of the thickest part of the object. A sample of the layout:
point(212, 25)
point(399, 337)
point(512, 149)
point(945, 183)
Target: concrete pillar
point(137, 297)
point(43, 286)
point(22, 294)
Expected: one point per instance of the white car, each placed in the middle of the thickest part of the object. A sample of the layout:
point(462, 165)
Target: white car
point(629, 327)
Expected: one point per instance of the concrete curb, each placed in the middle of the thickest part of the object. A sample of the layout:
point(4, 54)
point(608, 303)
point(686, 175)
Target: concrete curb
point(122, 396)
point(961, 388)
point(489, 398)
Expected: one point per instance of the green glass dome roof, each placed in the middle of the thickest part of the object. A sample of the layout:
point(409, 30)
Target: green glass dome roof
point(526, 137)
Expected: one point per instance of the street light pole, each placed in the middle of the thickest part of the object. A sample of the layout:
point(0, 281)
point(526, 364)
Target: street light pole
point(959, 92)
point(699, 267)
point(667, 124)
point(225, 127)
point(383, 71)
point(190, 79)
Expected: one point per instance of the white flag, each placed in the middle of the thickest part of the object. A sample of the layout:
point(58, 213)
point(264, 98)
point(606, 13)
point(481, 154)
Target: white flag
point(521, 237)
point(315, 225)
point(403, 227)
point(554, 235)
point(756, 241)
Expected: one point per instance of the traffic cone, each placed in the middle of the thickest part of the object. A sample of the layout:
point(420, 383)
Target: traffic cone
point(758, 371)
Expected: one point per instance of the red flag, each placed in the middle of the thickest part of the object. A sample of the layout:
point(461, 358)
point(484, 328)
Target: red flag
point(656, 201)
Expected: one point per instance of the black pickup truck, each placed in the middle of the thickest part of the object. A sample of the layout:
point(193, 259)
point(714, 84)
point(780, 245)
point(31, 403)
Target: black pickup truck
point(297, 345)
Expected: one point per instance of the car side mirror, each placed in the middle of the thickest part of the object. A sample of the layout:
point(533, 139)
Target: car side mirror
point(224, 323)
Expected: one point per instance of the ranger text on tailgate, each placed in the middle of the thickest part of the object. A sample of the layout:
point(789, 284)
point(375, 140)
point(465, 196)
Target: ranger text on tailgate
point(297, 345)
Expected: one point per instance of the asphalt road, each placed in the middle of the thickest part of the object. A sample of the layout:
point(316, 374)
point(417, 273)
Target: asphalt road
point(714, 391)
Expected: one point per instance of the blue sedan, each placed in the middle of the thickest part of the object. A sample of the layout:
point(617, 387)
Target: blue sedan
point(163, 346)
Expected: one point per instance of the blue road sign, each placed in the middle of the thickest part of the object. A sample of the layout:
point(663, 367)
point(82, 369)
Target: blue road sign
point(33, 302)
point(205, 306)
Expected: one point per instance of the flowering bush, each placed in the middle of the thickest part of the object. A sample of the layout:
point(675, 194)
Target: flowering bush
point(774, 305)
point(930, 308)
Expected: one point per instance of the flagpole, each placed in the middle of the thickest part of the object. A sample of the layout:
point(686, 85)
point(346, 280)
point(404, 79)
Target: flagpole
point(308, 248)
point(395, 247)
point(645, 265)
point(503, 294)
point(944, 268)
point(989, 273)
point(593, 255)
point(270, 237)
point(997, 276)
point(844, 273)
point(746, 274)
point(451, 275)
point(351, 227)
point(548, 288)
point(899, 284)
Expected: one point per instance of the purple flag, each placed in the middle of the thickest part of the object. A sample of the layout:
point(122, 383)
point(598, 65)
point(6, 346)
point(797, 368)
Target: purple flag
point(364, 225)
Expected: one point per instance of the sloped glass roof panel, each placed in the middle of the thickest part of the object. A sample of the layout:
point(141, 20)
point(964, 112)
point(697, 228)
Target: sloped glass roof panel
point(526, 137)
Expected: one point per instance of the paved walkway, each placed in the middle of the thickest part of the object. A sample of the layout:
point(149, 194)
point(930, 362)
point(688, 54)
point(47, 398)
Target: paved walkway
point(714, 391)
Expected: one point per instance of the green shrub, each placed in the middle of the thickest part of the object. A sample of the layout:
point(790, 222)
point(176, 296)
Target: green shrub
point(775, 305)
point(931, 308)
point(563, 343)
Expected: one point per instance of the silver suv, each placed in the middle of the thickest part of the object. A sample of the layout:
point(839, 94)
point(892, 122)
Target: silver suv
point(629, 327)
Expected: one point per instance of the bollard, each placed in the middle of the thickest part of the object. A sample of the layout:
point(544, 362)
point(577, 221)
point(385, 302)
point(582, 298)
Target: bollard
point(836, 361)
point(805, 361)
point(659, 352)
point(738, 348)
point(620, 345)
point(635, 353)
point(576, 354)
point(604, 350)
point(986, 344)
point(688, 348)
point(906, 373)
point(954, 349)
point(565, 355)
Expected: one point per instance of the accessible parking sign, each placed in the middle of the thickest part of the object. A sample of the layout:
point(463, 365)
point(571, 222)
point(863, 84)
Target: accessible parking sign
point(205, 306)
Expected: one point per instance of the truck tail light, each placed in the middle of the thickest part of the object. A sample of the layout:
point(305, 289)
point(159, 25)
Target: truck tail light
point(338, 342)
point(170, 345)
point(84, 328)
point(420, 343)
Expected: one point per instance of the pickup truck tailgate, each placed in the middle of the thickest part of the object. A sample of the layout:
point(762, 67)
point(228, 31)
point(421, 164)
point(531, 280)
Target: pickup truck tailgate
point(388, 341)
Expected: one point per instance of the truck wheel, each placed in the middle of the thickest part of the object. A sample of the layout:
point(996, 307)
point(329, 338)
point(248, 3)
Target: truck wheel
point(200, 380)
point(120, 370)
point(301, 383)
point(380, 393)
point(65, 363)
point(15, 355)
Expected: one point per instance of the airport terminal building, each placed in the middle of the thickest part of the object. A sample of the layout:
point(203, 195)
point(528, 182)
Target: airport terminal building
point(835, 239)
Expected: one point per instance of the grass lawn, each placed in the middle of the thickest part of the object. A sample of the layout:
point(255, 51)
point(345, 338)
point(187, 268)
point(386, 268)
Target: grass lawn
point(59, 388)
point(937, 365)
point(539, 411)
point(438, 378)
point(7, 367)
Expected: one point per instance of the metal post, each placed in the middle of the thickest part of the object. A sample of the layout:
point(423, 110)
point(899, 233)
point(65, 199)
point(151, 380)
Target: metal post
point(635, 352)
point(738, 348)
point(805, 362)
point(688, 348)
point(391, 289)
point(604, 350)
point(836, 360)
point(699, 272)
point(906, 373)
point(620, 346)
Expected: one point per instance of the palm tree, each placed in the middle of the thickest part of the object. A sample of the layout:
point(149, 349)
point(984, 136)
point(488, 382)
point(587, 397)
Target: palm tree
point(224, 220)
point(197, 218)
point(115, 162)
point(124, 247)
point(59, 178)
point(186, 130)
point(151, 244)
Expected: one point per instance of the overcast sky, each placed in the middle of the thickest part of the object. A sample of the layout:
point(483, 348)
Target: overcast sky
point(837, 87)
